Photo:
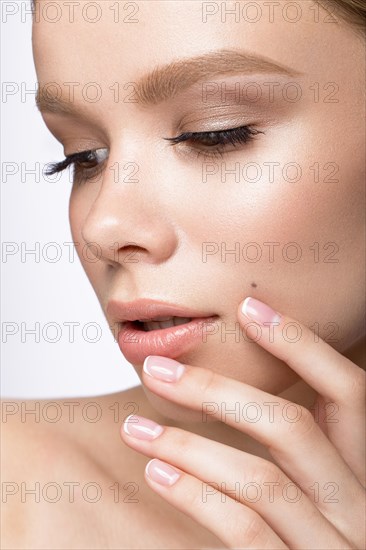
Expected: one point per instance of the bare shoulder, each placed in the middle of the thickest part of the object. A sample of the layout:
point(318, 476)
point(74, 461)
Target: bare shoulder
point(68, 480)
point(62, 461)
point(45, 425)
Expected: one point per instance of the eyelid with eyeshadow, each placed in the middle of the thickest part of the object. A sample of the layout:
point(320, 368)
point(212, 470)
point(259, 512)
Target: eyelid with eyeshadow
point(231, 135)
point(211, 139)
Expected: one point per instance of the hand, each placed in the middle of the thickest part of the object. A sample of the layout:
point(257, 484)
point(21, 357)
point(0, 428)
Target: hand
point(313, 496)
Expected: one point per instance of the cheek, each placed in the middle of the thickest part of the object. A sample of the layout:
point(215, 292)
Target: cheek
point(80, 203)
point(78, 211)
point(296, 240)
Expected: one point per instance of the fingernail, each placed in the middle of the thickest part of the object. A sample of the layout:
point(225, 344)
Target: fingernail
point(163, 368)
point(260, 312)
point(141, 428)
point(161, 472)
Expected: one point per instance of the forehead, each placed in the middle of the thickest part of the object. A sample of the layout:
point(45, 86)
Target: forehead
point(86, 40)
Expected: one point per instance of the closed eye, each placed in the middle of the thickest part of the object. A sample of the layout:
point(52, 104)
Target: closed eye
point(216, 143)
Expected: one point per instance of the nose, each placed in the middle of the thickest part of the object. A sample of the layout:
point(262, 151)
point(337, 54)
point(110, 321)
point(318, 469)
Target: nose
point(126, 225)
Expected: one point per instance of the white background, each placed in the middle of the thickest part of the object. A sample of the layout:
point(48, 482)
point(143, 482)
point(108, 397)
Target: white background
point(34, 288)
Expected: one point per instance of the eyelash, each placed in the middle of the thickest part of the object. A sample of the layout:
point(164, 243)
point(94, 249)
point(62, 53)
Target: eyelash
point(222, 138)
point(219, 139)
point(76, 160)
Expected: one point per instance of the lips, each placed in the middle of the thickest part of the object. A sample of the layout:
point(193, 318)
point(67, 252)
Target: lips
point(136, 343)
point(161, 322)
point(149, 309)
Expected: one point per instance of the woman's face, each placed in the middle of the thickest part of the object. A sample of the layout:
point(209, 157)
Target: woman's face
point(279, 217)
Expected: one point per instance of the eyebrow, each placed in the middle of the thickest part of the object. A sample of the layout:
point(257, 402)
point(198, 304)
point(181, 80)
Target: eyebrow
point(165, 82)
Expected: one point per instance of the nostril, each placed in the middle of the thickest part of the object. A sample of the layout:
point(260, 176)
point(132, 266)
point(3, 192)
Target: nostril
point(128, 250)
point(132, 248)
point(126, 253)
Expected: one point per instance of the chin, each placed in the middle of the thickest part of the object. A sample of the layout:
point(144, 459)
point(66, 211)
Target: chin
point(178, 413)
point(270, 375)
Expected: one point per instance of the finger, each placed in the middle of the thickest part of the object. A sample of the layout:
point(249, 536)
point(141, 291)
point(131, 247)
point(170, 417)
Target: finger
point(237, 526)
point(299, 446)
point(305, 352)
point(332, 375)
point(249, 479)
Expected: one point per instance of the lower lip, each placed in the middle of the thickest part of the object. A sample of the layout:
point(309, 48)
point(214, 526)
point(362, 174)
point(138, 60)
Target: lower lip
point(171, 342)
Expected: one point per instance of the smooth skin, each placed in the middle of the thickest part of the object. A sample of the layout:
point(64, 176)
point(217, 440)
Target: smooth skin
point(305, 451)
point(163, 215)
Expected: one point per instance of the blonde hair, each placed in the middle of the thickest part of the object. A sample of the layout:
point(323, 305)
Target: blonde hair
point(351, 11)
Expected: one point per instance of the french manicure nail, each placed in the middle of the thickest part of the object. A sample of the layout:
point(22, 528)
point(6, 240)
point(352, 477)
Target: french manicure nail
point(163, 368)
point(259, 312)
point(161, 472)
point(141, 428)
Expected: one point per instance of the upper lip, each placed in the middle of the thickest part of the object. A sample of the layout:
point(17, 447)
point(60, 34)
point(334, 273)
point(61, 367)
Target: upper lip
point(149, 309)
